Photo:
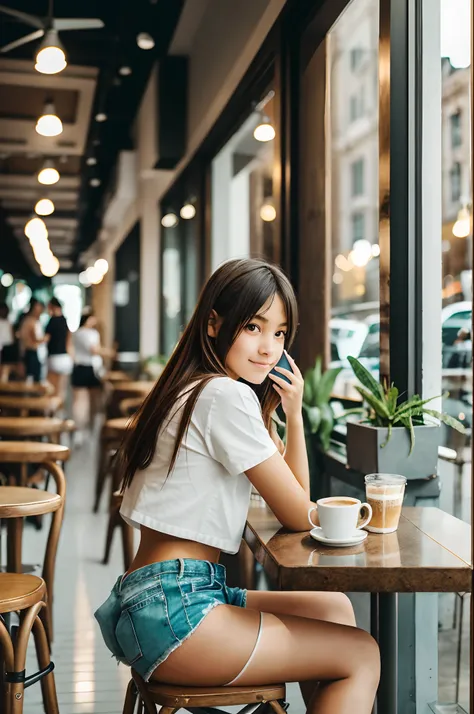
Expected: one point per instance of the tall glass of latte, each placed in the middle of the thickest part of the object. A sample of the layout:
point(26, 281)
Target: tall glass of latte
point(384, 492)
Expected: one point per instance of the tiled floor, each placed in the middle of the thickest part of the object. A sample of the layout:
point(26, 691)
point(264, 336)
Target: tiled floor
point(88, 681)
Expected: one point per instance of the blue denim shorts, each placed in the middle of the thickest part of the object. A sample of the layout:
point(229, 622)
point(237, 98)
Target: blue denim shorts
point(152, 611)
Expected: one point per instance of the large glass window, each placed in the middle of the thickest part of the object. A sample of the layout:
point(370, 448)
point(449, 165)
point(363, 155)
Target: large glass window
point(244, 209)
point(353, 175)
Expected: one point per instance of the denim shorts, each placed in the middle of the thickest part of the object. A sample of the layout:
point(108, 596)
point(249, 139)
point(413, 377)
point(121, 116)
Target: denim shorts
point(152, 611)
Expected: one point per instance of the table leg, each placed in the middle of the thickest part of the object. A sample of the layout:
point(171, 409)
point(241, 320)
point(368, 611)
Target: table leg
point(385, 623)
point(14, 541)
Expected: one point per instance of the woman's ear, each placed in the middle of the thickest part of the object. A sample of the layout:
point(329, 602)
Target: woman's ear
point(213, 324)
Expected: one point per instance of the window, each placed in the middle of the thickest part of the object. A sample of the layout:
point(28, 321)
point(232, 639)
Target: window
point(455, 179)
point(357, 105)
point(358, 226)
point(357, 176)
point(357, 54)
point(456, 134)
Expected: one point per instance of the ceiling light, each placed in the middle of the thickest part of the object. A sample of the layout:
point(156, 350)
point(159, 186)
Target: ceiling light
point(375, 250)
point(84, 279)
point(188, 211)
point(50, 267)
point(125, 71)
point(101, 116)
point(268, 212)
point(101, 265)
point(169, 220)
point(50, 58)
point(264, 131)
point(93, 275)
point(6, 280)
point(95, 182)
point(44, 207)
point(49, 124)
point(462, 227)
point(36, 228)
point(48, 174)
point(91, 161)
point(145, 41)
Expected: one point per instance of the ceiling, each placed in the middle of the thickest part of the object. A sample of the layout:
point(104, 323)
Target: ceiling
point(91, 84)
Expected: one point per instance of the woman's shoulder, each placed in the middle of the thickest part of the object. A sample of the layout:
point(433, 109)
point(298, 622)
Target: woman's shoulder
point(224, 393)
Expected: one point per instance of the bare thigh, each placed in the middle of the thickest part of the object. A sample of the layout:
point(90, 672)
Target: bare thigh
point(329, 606)
point(291, 649)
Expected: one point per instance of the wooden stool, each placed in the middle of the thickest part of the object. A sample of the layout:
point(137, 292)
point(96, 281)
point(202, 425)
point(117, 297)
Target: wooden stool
point(126, 390)
point(111, 435)
point(25, 594)
point(116, 521)
point(171, 698)
point(23, 406)
point(17, 502)
point(26, 389)
point(116, 375)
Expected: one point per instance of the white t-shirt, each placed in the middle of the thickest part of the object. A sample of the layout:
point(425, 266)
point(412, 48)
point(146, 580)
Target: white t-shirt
point(206, 496)
point(6, 333)
point(84, 339)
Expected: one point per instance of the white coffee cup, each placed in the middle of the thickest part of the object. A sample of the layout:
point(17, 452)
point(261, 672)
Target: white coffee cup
point(341, 516)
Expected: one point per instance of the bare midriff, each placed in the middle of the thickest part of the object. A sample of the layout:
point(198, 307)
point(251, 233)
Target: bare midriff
point(155, 547)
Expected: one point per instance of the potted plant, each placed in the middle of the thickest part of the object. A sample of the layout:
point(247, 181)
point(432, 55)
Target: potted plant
point(396, 436)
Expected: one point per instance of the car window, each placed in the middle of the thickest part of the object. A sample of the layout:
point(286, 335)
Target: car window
point(453, 324)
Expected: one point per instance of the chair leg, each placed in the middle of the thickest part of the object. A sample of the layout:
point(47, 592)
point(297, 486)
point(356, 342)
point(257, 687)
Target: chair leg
point(48, 687)
point(277, 707)
point(102, 470)
point(108, 538)
point(130, 698)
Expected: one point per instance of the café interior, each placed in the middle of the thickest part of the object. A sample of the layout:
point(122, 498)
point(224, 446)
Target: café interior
point(144, 144)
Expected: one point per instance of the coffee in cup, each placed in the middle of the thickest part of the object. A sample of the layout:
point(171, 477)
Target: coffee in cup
point(384, 493)
point(341, 517)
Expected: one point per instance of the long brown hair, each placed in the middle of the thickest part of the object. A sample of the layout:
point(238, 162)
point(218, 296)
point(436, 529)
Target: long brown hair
point(236, 292)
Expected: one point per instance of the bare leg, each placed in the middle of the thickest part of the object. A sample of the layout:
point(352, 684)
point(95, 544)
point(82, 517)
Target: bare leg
point(80, 408)
point(291, 649)
point(327, 606)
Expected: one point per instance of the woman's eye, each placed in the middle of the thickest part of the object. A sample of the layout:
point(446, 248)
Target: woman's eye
point(252, 327)
point(280, 333)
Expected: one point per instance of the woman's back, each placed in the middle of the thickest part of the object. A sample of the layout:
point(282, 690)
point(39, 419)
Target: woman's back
point(85, 339)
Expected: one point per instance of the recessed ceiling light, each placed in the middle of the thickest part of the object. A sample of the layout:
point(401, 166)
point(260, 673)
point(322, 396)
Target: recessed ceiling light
point(125, 71)
point(145, 41)
point(91, 161)
point(95, 182)
point(101, 116)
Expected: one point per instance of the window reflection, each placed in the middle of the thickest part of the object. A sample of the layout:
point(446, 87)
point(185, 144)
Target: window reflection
point(243, 204)
point(354, 157)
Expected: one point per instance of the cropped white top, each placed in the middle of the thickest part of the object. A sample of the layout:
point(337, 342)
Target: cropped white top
point(206, 496)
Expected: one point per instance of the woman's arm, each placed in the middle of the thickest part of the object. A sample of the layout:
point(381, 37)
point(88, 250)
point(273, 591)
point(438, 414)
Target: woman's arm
point(291, 395)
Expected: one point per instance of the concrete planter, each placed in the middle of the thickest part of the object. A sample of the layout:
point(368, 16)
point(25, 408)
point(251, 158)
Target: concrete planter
point(364, 452)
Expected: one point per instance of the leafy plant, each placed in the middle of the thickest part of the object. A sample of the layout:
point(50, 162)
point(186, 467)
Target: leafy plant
point(318, 414)
point(384, 408)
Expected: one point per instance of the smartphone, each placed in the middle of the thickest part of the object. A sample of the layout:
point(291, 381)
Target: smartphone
point(285, 365)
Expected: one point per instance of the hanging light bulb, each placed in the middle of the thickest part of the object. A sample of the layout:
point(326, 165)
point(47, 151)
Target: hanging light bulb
point(264, 131)
point(44, 207)
point(101, 265)
point(48, 174)
point(462, 227)
point(268, 212)
point(93, 275)
point(36, 228)
point(50, 58)
point(49, 124)
point(50, 267)
point(187, 211)
point(169, 220)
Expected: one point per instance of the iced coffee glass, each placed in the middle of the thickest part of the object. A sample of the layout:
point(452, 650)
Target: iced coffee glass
point(384, 492)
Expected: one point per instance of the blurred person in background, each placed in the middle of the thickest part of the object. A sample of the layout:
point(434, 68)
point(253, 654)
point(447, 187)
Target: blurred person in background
point(31, 337)
point(59, 344)
point(6, 343)
point(85, 380)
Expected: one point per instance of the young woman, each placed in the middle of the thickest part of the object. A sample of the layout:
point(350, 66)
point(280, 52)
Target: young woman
point(194, 450)
point(87, 387)
point(58, 339)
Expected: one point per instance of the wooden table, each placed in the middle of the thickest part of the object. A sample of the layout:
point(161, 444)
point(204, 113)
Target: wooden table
point(26, 388)
point(430, 553)
point(24, 405)
point(15, 426)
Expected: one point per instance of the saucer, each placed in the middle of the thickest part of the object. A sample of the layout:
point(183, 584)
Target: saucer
point(358, 537)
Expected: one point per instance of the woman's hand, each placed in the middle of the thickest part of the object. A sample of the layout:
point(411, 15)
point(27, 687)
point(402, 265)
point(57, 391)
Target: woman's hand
point(291, 394)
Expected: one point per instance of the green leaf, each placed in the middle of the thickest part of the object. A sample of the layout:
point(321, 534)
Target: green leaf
point(326, 427)
point(326, 385)
point(389, 434)
point(313, 415)
point(448, 420)
point(413, 404)
point(365, 378)
point(408, 424)
point(308, 396)
point(392, 396)
point(377, 404)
